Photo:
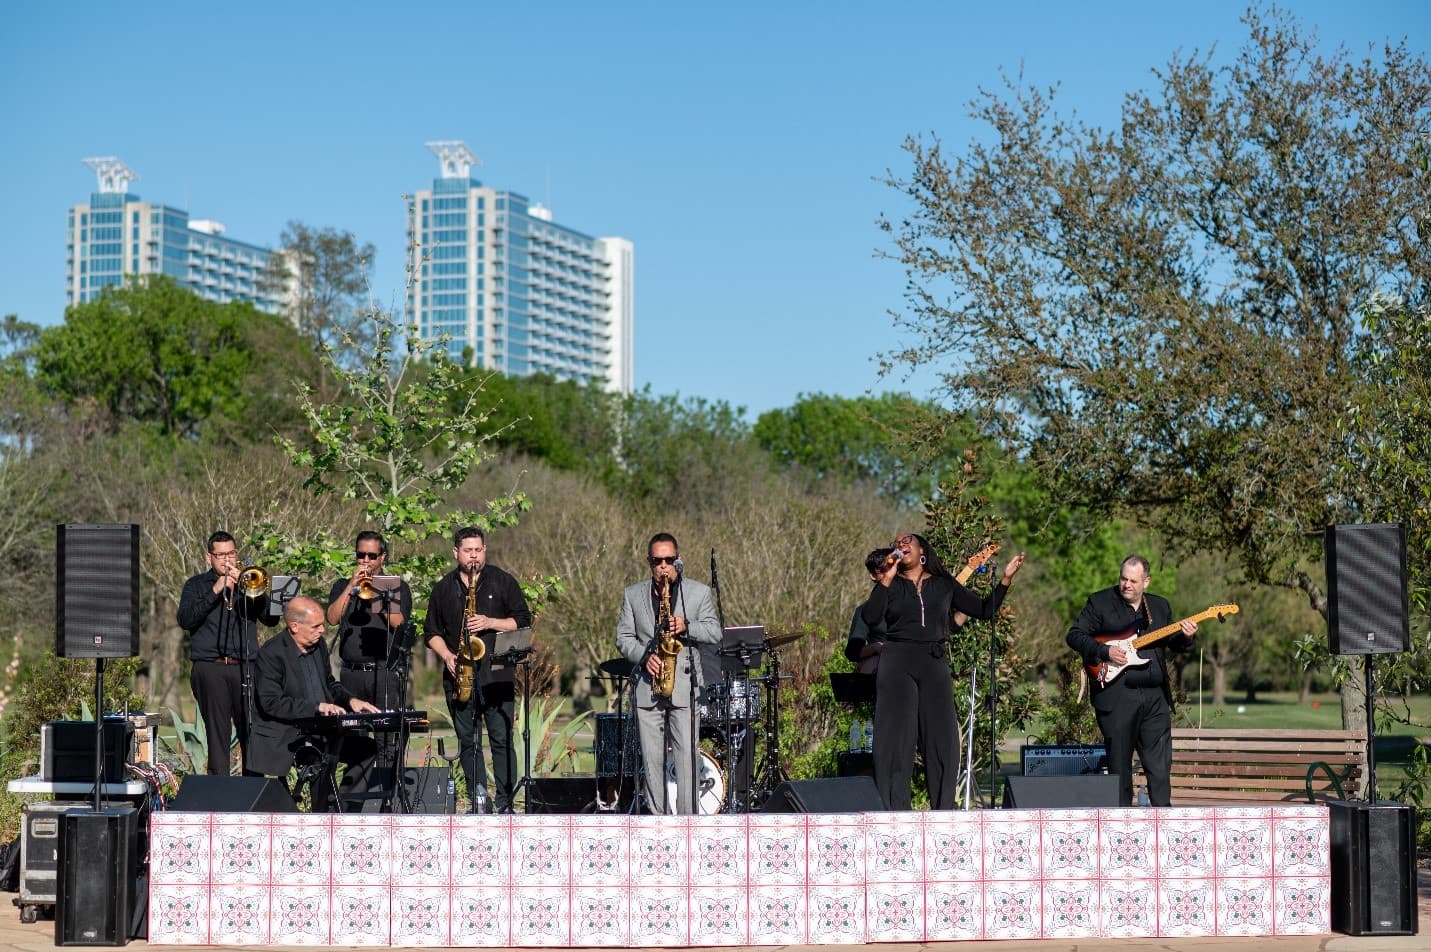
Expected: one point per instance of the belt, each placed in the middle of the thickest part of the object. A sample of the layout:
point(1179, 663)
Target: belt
point(361, 665)
point(220, 660)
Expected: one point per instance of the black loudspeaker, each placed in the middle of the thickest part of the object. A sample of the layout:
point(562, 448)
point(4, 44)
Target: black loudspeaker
point(95, 885)
point(561, 794)
point(424, 790)
point(96, 591)
point(1367, 610)
point(1058, 793)
point(828, 795)
point(203, 793)
point(67, 750)
point(1373, 880)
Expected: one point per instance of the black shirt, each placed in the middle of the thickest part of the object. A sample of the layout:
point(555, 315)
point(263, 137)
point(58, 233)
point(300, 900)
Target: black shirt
point(498, 596)
point(1107, 613)
point(216, 630)
point(364, 635)
point(914, 616)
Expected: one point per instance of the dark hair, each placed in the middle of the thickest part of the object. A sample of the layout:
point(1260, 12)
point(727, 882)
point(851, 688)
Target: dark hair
point(465, 533)
point(220, 536)
point(932, 564)
point(1138, 560)
point(369, 535)
point(662, 537)
point(874, 562)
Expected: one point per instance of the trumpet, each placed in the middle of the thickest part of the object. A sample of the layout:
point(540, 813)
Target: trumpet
point(365, 589)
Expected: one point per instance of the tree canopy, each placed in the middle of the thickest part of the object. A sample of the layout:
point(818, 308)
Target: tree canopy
point(1160, 316)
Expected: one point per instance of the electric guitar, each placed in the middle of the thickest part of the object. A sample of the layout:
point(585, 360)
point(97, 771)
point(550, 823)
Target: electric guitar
point(971, 565)
point(1105, 671)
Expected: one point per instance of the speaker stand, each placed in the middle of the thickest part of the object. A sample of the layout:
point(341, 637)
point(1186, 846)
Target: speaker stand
point(98, 731)
point(1370, 732)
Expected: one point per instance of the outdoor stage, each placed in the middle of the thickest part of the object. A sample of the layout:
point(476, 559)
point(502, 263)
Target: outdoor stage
point(393, 880)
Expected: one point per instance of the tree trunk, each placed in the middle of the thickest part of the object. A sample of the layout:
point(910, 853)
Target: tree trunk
point(1219, 683)
point(1304, 688)
point(1354, 695)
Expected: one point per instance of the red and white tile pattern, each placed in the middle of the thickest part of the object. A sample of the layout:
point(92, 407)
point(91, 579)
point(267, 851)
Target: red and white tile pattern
point(617, 881)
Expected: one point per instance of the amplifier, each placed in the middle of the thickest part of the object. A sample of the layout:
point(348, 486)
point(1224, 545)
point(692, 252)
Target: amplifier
point(1063, 760)
point(67, 750)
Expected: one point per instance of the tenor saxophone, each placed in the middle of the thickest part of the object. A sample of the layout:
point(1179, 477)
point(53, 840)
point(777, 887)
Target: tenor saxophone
point(473, 648)
point(668, 648)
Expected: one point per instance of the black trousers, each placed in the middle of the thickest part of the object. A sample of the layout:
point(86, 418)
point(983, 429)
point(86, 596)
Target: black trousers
point(218, 689)
point(1138, 721)
point(494, 705)
point(914, 704)
point(378, 770)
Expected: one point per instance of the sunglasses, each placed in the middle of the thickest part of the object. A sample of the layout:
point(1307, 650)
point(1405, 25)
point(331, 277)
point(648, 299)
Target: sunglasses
point(368, 555)
point(655, 560)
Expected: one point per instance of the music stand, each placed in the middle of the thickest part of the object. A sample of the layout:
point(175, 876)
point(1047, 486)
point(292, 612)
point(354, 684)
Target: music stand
point(746, 643)
point(282, 589)
point(853, 688)
point(510, 647)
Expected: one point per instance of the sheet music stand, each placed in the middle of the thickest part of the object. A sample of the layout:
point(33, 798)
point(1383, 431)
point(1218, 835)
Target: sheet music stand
point(282, 589)
point(853, 688)
point(741, 648)
point(509, 646)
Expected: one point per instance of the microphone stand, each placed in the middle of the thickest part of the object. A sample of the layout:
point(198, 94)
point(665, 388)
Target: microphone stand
point(395, 657)
point(693, 657)
point(522, 657)
point(993, 698)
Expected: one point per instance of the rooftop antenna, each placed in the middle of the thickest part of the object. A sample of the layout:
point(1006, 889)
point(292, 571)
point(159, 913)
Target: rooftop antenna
point(114, 176)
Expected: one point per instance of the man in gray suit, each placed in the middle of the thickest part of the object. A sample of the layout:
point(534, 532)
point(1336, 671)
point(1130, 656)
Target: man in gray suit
point(666, 722)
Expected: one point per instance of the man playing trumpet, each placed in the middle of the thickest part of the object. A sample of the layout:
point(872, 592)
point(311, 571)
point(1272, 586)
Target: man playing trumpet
point(373, 641)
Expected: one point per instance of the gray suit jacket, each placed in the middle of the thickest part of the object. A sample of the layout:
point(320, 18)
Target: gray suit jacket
point(635, 631)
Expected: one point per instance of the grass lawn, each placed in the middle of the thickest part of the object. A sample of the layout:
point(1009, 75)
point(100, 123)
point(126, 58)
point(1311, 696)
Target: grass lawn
point(1272, 711)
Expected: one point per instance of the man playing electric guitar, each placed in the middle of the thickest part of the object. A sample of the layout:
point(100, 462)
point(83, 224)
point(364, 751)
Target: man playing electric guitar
point(1133, 706)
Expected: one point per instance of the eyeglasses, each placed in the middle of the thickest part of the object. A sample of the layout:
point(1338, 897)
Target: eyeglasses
point(905, 542)
point(655, 560)
point(369, 555)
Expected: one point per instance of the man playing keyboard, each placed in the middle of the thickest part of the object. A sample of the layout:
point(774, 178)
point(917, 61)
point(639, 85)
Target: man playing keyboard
point(295, 684)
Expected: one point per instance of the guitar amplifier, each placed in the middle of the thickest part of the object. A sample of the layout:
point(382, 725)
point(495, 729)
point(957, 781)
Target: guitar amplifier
point(1063, 760)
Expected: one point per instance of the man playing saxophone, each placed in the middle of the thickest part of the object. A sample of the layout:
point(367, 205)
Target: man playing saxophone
point(467, 608)
point(660, 623)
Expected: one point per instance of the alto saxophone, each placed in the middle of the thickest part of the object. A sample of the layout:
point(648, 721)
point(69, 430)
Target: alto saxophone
point(668, 648)
point(473, 648)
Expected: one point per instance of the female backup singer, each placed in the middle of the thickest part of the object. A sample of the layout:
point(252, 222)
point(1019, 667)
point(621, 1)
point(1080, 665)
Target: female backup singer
point(914, 596)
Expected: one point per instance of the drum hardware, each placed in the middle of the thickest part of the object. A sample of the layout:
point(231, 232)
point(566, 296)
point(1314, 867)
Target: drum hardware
point(710, 792)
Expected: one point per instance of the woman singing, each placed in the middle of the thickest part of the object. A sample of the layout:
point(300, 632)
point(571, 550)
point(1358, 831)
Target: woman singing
point(914, 597)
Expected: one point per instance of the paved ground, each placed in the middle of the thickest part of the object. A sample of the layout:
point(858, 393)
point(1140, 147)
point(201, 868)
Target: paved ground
point(40, 936)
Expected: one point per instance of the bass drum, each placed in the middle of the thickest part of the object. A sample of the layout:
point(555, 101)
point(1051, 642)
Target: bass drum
point(712, 792)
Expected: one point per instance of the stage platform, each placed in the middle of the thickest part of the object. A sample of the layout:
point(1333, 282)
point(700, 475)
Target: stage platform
point(584, 881)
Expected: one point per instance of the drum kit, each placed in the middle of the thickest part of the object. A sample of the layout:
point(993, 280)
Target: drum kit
point(739, 730)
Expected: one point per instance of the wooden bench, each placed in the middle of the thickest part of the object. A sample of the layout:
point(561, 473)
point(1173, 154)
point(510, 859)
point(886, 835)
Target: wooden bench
point(1215, 765)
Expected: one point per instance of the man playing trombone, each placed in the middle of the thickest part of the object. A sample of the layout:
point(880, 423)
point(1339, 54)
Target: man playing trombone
point(373, 641)
point(221, 616)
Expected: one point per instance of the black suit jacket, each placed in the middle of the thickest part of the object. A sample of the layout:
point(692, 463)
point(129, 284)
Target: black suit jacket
point(281, 700)
point(1106, 613)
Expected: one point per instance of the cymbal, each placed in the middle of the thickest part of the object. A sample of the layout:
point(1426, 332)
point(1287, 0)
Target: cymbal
point(780, 641)
point(617, 667)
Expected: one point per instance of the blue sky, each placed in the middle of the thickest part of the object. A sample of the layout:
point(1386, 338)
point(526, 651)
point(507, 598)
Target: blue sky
point(738, 146)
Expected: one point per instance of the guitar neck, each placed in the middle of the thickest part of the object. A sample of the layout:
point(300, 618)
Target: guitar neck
point(1167, 630)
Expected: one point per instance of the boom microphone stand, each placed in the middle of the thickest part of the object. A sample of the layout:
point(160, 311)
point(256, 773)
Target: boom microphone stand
point(522, 657)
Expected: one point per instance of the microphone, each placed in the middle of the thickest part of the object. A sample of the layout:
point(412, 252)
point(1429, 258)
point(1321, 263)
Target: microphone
point(896, 556)
point(679, 566)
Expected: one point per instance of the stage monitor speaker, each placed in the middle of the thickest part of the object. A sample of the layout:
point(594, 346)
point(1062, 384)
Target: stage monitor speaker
point(1373, 847)
point(96, 591)
point(1367, 601)
point(827, 795)
point(425, 789)
point(561, 794)
point(95, 885)
point(204, 793)
point(1058, 793)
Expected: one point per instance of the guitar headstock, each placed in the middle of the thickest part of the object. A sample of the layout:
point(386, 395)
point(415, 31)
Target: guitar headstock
point(1222, 611)
point(982, 556)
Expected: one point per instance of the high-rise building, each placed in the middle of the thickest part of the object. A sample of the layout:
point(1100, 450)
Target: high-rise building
point(511, 290)
point(117, 234)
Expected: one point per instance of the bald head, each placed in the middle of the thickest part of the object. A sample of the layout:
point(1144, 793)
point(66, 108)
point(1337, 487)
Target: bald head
point(304, 618)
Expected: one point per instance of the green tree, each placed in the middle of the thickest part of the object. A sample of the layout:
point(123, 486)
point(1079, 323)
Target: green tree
point(154, 353)
point(1159, 317)
point(323, 274)
point(857, 439)
point(396, 442)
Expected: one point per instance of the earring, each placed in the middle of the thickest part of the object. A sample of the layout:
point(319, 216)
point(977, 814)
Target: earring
point(921, 560)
